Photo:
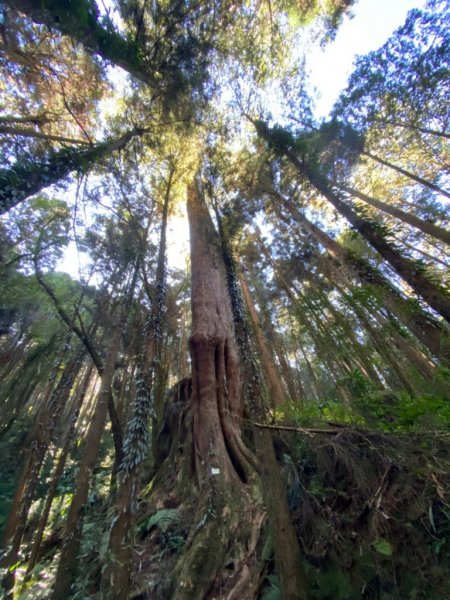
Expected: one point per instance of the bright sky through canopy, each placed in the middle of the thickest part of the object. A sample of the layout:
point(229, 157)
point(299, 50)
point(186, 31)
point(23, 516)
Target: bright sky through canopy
point(373, 23)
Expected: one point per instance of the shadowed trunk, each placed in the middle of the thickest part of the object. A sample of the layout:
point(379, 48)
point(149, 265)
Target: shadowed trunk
point(434, 295)
point(82, 23)
point(271, 374)
point(72, 533)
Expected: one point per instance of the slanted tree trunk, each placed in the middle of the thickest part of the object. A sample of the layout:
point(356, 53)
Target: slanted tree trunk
point(81, 23)
point(405, 173)
point(41, 438)
point(431, 333)
point(425, 226)
point(270, 371)
point(29, 177)
point(285, 543)
point(72, 531)
point(407, 269)
point(67, 439)
point(221, 462)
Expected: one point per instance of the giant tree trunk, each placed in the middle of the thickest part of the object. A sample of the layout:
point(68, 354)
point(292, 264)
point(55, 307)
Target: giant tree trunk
point(221, 461)
point(215, 369)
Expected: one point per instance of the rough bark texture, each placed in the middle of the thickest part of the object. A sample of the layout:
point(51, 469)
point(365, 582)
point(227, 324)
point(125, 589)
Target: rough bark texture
point(215, 367)
point(221, 461)
point(116, 576)
point(285, 543)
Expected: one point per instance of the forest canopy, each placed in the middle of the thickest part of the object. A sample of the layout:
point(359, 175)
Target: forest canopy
point(267, 415)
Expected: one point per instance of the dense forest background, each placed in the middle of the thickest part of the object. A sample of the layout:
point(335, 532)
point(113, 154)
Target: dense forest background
point(268, 417)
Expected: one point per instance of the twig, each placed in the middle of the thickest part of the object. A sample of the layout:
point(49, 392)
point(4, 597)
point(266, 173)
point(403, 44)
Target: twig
point(308, 430)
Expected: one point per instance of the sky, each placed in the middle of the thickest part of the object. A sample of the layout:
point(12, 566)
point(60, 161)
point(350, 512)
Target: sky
point(372, 24)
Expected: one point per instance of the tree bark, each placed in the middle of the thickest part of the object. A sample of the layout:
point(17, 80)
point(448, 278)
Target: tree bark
point(271, 374)
point(407, 269)
point(41, 437)
point(406, 173)
point(58, 471)
point(285, 543)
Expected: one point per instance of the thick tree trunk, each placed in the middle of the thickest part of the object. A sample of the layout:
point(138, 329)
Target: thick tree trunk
point(425, 226)
point(215, 367)
point(28, 178)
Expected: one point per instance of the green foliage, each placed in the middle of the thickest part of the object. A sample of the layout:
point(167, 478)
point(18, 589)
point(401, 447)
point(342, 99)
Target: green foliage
point(372, 514)
point(399, 411)
point(333, 583)
point(383, 547)
point(272, 591)
point(324, 411)
point(163, 519)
